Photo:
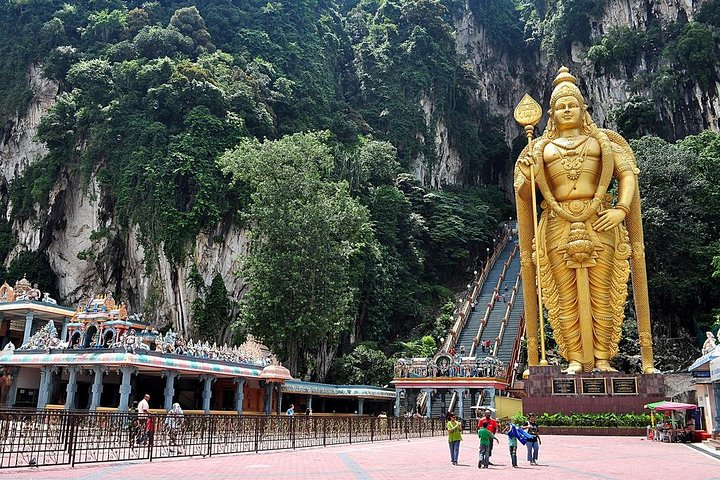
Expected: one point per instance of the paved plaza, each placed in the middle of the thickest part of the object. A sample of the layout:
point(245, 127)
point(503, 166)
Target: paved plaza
point(561, 458)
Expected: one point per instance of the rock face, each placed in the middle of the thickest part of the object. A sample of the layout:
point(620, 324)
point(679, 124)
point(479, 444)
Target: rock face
point(89, 252)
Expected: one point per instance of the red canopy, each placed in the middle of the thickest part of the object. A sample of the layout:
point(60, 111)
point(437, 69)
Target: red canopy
point(670, 406)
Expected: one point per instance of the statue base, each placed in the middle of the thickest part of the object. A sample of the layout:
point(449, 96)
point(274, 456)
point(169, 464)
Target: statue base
point(548, 390)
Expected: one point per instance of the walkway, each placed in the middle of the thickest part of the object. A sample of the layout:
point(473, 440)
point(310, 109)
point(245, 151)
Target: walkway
point(561, 457)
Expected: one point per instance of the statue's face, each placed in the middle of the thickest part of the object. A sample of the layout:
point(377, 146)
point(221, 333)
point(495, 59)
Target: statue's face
point(567, 113)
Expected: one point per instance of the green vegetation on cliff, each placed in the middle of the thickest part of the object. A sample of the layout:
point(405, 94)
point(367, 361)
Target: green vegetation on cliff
point(152, 94)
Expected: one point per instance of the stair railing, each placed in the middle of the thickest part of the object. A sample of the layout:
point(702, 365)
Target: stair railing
point(466, 306)
point(515, 356)
point(492, 302)
point(506, 318)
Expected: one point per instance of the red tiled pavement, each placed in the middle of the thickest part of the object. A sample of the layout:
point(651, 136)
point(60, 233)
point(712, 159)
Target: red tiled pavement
point(561, 458)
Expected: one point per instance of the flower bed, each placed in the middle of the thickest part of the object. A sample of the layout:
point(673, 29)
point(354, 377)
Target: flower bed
point(594, 431)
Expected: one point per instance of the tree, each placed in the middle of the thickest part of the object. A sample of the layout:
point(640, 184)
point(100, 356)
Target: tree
point(210, 311)
point(363, 366)
point(307, 233)
point(189, 22)
point(675, 194)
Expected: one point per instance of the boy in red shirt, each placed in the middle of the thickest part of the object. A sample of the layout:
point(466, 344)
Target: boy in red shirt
point(492, 427)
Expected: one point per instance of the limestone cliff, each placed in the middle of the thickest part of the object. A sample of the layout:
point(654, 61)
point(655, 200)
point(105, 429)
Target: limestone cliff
point(90, 252)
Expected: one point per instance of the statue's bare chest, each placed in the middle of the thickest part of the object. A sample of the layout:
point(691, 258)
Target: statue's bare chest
point(573, 161)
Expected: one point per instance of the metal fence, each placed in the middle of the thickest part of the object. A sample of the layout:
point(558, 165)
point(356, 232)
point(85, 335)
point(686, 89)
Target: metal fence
point(37, 438)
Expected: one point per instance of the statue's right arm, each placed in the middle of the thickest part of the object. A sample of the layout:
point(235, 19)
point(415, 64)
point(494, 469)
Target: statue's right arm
point(521, 180)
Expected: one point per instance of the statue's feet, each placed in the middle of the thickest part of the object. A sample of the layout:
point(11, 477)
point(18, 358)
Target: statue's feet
point(526, 373)
point(604, 366)
point(573, 368)
point(650, 370)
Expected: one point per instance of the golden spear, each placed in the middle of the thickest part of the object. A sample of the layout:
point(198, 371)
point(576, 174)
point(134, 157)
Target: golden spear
point(528, 113)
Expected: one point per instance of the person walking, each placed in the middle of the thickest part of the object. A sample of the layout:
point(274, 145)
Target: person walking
point(532, 444)
point(291, 411)
point(144, 420)
point(454, 429)
point(492, 427)
point(486, 439)
point(174, 422)
point(512, 444)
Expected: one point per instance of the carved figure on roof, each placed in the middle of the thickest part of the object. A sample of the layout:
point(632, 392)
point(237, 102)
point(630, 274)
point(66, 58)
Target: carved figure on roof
point(109, 302)
point(22, 287)
point(709, 344)
point(42, 338)
point(123, 311)
point(48, 299)
point(10, 347)
point(7, 294)
point(34, 293)
point(130, 341)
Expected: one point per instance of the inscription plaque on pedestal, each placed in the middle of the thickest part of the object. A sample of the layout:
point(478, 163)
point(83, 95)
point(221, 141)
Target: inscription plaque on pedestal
point(593, 386)
point(563, 386)
point(624, 386)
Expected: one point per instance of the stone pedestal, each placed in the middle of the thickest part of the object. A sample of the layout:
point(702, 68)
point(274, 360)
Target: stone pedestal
point(548, 390)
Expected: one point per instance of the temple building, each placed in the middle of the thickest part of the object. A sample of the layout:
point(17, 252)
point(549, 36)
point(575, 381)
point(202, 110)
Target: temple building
point(104, 359)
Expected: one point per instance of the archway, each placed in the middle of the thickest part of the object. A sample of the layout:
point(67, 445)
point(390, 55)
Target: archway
point(108, 338)
point(76, 340)
point(89, 334)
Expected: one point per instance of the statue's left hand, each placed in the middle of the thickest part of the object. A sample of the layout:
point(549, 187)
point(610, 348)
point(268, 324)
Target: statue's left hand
point(609, 219)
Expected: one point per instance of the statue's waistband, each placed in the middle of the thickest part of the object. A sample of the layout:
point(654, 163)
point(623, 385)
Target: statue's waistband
point(578, 206)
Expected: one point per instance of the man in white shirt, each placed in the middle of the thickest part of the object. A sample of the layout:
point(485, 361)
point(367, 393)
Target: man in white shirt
point(144, 406)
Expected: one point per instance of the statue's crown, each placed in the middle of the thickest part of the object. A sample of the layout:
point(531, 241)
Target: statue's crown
point(565, 85)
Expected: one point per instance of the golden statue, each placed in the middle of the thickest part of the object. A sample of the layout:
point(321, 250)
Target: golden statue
point(588, 241)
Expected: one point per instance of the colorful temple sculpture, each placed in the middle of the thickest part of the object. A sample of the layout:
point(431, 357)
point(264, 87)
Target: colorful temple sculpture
point(99, 357)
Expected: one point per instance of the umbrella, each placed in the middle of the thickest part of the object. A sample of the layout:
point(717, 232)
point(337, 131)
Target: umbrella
point(666, 406)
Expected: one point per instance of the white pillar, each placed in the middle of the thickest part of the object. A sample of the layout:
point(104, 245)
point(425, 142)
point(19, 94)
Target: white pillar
point(28, 326)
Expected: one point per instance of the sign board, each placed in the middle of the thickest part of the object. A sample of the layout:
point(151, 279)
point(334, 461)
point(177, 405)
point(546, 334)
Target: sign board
point(563, 386)
point(593, 386)
point(624, 386)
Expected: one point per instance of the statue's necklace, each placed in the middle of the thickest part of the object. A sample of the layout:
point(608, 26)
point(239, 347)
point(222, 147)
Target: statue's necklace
point(571, 160)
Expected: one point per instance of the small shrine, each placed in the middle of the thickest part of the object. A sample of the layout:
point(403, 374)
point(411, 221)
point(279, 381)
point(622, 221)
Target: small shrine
point(102, 323)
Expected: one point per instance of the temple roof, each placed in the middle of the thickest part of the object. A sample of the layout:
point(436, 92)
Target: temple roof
point(144, 360)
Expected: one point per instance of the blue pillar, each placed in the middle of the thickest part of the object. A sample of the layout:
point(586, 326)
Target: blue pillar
point(267, 397)
point(97, 386)
point(125, 388)
point(491, 392)
point(28, 326)
point(428, 403)
point(207, 391)
point(461, 401)
point(309, 402)
point(716, 398)
point(46, 374)
point(239, 394)
point(12, 393)
point(170, 376)
point(63, 332)
point(280, 395)
point(361, 404)
point(71, 386)
point(398, 395)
